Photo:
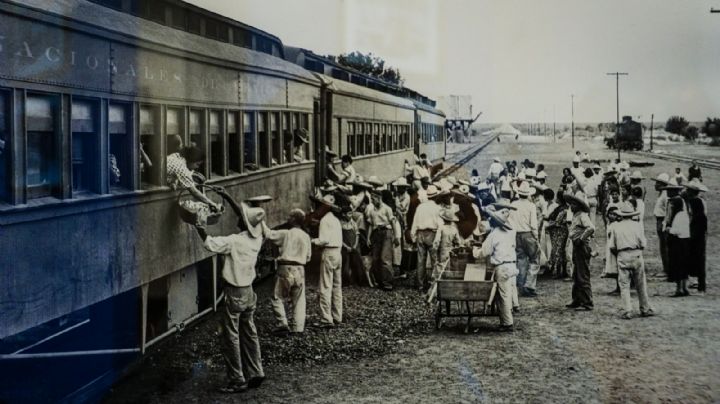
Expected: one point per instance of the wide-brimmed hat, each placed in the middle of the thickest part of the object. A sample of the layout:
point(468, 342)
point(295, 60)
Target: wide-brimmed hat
point(444, 185)
point(662, 177)
point(463, 191)
point(530, 173)
point(636, 175)
point(623, 165)
point(252, 217)
point(432, 191)
point(541, 175)
point(597, 166)
point(330, 152)
point(696, 185)
point(499, 218)
point(363, 185)
point(540, 187)
point(500, 206)
point(464, 182)
point(327, 200)
point(400, 182)
point(301, 135)
point(452, 180)
point(525, 189)
point(610, 171)
point(496, 159)
point(260, 199)
point(572, 199)
point(449, 215)
point(627, 210)
point(375, 181)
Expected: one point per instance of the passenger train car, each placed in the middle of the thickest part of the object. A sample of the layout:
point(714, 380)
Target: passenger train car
point(95, 264)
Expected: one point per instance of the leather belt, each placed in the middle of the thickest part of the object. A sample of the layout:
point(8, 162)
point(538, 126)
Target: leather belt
point(290, 263)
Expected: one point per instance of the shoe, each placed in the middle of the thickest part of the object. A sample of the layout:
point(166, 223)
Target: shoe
point(626, 316)
point(232, 388)
point(649, 313)
point(327, 325)
point(255, 382)
point(281, 331)
point(584, 307)
point(387, 288)
point(615, 292)
point(686, 293)
point(572, 305)
point(516, 310)
point(506, 328)
point(677, 294)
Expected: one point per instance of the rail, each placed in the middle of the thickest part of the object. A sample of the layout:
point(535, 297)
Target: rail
point(705, 163)
point(465, 156)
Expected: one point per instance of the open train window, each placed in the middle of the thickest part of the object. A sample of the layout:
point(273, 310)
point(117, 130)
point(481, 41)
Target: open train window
point(288, 146)
point(174, 129)
point(150, 147)
point(249, 140)
point(233, 148)
point(43, 164)
point(196, 129)
point(177, 16)
point(211, 28)
point(155, 11)
point(217, 145)
point(394, 139)
point(5, 171)
point(120, 140)
point(368, 138)
point(351, 138)
point(305, 124)
point(242, 37)
point(85, 146)
point(263, 140)
point(377, 139)
point(194, 23)
point(276, 139)
point(384, 138)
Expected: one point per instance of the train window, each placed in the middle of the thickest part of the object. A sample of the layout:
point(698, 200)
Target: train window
point(276, 139)
point(351, 138)
point(211, 28)
point(233, 142)
point(394, 139)
point(155, 11)
point(85, 146)
point(287, 138)
point(242, 37)
point(197, 129)
point(43, 165)
point(223, 32)
point(194, 23)
point(217, 152)
point(250, 140)
point(359, 140)
point(174, 127)
point(383, 138)
point(4, 145)
point(377, 148)
point(305, 124)
point(120, 137)
point(150, 147)
point(178, 17)
point(263, 140)
point(368, 138)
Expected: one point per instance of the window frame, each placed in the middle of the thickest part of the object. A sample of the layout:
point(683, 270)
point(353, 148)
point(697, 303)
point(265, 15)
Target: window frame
point(56, 186)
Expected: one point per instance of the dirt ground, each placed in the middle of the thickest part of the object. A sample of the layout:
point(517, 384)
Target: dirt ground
point(554, 355)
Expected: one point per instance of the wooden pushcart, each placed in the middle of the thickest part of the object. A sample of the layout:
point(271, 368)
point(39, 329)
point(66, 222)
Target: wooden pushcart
point(465, 290)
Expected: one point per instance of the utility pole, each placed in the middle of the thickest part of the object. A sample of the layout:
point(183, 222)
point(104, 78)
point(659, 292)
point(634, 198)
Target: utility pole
point(652, 116)
point(617, 119)
point(553, 122)
point(572, 119)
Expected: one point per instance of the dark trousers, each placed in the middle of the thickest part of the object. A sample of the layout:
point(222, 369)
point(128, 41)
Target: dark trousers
point(382, 253)
point(581, 290)
point(663, 243)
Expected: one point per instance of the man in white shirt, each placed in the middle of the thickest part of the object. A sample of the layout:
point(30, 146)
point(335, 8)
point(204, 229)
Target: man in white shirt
point(241, 346)
point(495, 169)
point(295, 251)
point(330, 239)
point(500, 247)
point(524, 221)
point(419, 171)
point(424, 232)
point(660, 210)
point(576, 170)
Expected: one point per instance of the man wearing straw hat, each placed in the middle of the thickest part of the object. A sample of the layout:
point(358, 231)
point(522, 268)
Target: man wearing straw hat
point(660, 210)
point(295, 250)
point(581, 229)
point(524, 220)
point(241, 346)
point(635, 182)
point(330, 239)
point(402, 206)
point(627, 243)
point(424, 231)
point(500, 247)
point(380, 218)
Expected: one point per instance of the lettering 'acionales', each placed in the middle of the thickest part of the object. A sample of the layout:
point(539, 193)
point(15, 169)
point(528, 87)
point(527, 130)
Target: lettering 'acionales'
point(74, 59)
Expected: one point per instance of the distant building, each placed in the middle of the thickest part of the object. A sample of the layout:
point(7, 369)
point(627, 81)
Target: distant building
point(456, 107)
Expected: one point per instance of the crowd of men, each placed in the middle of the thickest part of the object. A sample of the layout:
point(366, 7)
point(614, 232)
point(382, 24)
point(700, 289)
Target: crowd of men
point(369, 232)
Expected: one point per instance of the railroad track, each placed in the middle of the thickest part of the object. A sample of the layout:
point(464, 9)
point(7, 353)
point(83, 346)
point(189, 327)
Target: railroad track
point(459, 159)
point(705, 163)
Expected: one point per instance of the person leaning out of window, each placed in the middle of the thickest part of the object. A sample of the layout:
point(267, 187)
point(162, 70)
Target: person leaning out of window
point(180, 166)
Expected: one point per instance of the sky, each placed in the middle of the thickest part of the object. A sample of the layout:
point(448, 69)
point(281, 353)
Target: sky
point(521, 60)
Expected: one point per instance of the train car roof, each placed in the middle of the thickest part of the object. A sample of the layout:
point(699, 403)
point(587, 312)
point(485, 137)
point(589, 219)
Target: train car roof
point(428, 108)
point(103, 18)
point(347, 88)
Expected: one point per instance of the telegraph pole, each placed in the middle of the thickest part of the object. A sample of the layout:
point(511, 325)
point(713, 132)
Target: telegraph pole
point(617, 118)
point(553, 122)
point(572, 120)
point(652, 116)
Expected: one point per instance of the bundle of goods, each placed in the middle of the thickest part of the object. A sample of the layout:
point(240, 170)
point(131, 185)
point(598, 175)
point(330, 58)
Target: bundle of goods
point(195, 212)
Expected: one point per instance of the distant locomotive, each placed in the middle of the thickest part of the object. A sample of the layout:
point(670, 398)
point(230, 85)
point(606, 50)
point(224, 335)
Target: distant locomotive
point(628, 137)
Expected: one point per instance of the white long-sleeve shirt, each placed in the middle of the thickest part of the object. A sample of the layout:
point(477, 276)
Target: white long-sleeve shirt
point(330, 234)
point(660, 209)
point(294, 244)
point(499, 246)
point(524, 218)
point(241, 253)
point(495, 169)
point(427, 217)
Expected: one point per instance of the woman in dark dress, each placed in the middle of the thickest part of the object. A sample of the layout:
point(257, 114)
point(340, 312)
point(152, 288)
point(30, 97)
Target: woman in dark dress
point(698, 232)
point(678, 244)
point(558, 230)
